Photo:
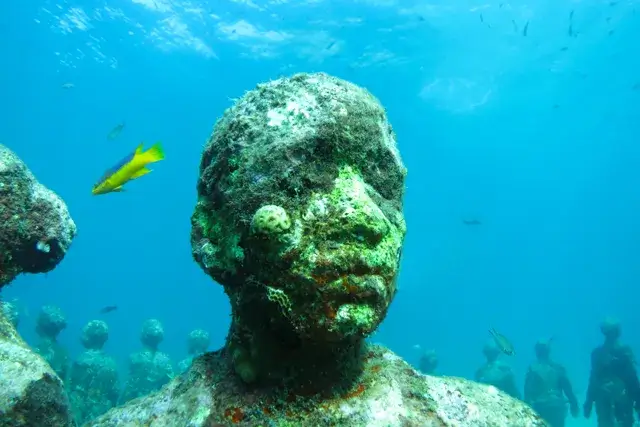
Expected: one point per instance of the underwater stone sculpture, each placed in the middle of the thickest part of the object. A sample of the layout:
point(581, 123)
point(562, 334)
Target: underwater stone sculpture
point(197, 343)
point(51, 321)
point(614, 388)
point(299, 217)
point(93, 379)
point(35, 233)
point(36, 229)
point(496, 372)
point(149, 368)
point(428, 362)
point(547, 387)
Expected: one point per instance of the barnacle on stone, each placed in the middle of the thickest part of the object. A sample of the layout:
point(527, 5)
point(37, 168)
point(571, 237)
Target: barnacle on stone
point(270, 220)
point(278, 297)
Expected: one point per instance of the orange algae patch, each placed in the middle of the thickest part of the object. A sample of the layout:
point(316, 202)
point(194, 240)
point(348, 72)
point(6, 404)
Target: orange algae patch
point(351, 289)
point(355, 393)
point(234, 414)
point(320, 280)
point(376, 368)
point(329, 311)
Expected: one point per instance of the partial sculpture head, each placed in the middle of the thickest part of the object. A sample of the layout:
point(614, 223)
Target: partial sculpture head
point(543, 349)
point(611, 328)
point(198, 341)
point(36, 229)
point(152, 333)
point(491, 351)
point(94, 335)
point(428, 362)
point(299, 212)
point(51, 321)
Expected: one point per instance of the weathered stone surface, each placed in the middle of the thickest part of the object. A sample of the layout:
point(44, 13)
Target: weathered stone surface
point(36, 229)
point(31, 394)
point(389, 392)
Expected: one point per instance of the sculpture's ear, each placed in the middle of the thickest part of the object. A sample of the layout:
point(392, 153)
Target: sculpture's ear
point(215, 246)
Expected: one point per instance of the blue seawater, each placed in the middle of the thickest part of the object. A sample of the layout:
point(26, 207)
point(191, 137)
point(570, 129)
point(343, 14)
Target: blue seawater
point(534, 134)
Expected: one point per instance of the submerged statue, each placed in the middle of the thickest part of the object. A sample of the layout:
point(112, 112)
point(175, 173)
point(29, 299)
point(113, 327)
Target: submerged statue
point(51, 322)
point(197, 343)
point(428, 362)
point(93, 379)
point(149, 368)
point(614, 387)
point(299, 218)
point(496, 372)
point(547, 387)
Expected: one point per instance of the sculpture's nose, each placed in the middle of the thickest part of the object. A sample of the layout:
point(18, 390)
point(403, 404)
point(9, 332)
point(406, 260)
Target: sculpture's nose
point(361, 218)
point(371, 226)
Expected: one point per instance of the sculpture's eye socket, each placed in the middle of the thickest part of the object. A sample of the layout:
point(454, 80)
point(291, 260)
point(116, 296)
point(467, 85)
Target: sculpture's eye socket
point(390, 209)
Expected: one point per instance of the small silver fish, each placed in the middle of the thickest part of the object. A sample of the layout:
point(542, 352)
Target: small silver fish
point(115, 132)
point(68, 86)
point(502, 342)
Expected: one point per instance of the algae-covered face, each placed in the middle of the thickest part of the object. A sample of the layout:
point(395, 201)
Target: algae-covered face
point(299, 208)
point(342, 250)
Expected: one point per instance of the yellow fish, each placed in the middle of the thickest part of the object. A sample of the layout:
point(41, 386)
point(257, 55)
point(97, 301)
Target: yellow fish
point(131, 167)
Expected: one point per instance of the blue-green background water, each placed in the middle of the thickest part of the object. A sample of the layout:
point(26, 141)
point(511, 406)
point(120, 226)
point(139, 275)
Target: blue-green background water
point(536, 135)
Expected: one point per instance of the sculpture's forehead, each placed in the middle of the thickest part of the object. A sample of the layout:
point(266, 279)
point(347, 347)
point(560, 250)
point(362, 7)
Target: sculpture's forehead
point(282, 128)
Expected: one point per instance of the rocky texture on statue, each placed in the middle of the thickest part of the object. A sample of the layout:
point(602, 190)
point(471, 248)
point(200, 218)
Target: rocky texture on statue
point(31, 394)
point(299, 218)
point(36, 231)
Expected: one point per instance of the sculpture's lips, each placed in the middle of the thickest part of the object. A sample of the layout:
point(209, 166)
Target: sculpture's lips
point(352, 288)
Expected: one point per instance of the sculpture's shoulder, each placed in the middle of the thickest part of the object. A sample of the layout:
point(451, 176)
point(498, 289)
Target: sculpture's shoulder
point(189, 399)
point(31, 394)
point(387, 392)
point(402, 396)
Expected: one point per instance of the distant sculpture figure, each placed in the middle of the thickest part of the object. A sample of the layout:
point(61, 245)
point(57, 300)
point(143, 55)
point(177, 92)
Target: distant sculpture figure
point(547, 388)
point(495, 372)
point(299, 217)
point(613, 384)
point(197, 343)
point(149, 369)
point(428, 362)
point(93, 381)
point(51, 321)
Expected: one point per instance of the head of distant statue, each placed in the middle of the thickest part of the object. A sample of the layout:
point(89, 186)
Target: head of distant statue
point(543, 349)
point(51, 321)
point(428, 362)
point(299, 212)
point(94, 335)
point(152, 334)
point(198, 341)
point(491, 350)
point(611, 329)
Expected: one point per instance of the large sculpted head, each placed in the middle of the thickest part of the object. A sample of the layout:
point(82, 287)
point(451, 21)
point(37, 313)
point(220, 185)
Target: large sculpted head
point(299, 212)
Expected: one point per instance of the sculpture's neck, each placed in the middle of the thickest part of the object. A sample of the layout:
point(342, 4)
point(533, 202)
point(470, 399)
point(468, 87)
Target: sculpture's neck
point(150, 348)
point(265, 357)
point(47, 339)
